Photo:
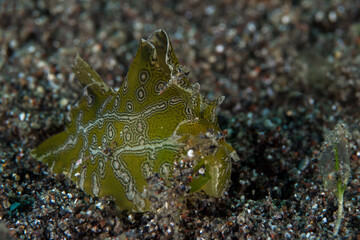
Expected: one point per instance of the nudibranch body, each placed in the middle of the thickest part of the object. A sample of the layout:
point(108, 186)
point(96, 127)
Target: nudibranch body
point(114, 140)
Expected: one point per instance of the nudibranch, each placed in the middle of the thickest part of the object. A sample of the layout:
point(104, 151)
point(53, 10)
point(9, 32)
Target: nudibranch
point(114, 141)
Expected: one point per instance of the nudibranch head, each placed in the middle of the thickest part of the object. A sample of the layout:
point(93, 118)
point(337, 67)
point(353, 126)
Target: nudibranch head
point(219, 167)
point(211, 157)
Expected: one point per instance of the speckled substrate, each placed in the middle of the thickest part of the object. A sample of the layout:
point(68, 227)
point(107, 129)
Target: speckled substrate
point(290, 70)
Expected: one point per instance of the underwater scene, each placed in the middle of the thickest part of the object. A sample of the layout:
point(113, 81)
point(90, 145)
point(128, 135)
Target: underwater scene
point(179, 119)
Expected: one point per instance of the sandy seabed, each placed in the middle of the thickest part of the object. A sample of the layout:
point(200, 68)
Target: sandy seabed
point(290, 71)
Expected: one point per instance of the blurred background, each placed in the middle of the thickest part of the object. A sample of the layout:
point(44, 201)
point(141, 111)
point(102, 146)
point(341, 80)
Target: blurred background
point(289, 71)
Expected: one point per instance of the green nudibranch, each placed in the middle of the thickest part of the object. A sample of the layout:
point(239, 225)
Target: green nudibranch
point(115, 140)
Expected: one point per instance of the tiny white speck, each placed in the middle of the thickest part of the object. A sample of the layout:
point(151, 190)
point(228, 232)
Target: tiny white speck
point(285, 19)
point(220, 48)
point(210, 10)
point(251, 26)
point(311, 101)
point(31, 49)
point(78, 162)
point(22, 116)
point(64, 102)
point(332, 16)
point(190, 153)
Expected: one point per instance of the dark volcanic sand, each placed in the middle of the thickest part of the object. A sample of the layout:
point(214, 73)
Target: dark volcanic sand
point(290, 70)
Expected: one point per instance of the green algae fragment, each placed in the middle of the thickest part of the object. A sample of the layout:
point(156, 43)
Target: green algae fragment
point(334, 165)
